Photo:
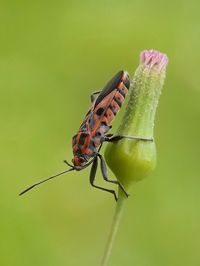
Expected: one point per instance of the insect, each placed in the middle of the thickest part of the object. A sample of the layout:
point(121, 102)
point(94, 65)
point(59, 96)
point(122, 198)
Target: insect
point(93, 131)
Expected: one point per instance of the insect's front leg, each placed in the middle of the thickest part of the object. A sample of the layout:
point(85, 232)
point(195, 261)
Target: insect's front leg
point(92, 178)
point(105, 175)
point(94, 95)
point(120, 137)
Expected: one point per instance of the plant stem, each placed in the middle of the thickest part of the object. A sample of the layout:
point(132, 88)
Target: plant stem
point(114, 228)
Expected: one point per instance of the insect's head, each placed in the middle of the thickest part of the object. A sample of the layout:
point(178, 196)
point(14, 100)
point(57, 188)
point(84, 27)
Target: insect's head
point(79, 161)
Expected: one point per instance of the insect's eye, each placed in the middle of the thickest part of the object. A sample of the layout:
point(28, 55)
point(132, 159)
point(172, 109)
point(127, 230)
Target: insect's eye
point(81, 160)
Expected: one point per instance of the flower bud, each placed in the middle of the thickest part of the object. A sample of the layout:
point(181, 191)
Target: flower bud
point(133, 160)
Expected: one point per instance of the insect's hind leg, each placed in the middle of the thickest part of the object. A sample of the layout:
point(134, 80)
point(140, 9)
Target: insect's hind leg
point(92, 177)
point(105, 176)
point(120, 137)
point(94, 95)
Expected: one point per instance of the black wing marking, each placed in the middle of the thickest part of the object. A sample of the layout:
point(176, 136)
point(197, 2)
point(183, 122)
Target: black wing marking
point(110, 86)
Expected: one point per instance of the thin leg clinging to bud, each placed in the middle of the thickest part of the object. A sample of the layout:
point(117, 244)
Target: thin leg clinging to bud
point(120, 137)
point(92, 177)
point(105, 176)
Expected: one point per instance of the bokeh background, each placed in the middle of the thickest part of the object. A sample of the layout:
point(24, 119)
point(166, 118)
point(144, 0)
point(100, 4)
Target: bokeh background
point(53, 54)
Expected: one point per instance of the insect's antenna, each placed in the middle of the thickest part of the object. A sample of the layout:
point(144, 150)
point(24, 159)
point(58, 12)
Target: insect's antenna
point(44, 180)
point(65, 161)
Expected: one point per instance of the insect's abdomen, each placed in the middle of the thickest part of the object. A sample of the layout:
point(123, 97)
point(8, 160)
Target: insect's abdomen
point(118, 96)
point(117, 101)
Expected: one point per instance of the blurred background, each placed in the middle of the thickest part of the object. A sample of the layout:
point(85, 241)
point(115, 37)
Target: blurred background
point(53, 54)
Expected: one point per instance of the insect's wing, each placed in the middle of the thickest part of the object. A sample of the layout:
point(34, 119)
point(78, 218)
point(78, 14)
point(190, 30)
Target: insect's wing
point(101, 104)
point(110, 87)
point(84, 127)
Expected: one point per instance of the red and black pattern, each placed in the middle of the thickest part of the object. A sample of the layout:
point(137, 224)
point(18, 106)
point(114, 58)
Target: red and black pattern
point(93, 131)
point(96, 124)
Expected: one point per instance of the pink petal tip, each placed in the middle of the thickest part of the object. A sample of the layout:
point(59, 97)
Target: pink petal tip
point(152, 58)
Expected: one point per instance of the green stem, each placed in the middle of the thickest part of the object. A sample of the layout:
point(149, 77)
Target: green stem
point(114, 228)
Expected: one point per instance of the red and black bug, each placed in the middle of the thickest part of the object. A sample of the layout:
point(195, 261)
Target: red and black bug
point(93, 131)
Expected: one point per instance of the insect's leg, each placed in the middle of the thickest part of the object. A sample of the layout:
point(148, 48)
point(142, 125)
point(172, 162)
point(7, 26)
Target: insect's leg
point(109, 135)
point(94, 95)
point(120, 137)
point(105, 175)
point(105, 139)
point(92, 177)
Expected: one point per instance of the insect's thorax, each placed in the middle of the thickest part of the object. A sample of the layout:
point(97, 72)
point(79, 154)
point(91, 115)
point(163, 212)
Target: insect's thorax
point(87, 142)
point(85, 146)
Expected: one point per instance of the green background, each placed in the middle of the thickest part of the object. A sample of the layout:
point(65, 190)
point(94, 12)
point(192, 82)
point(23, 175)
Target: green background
point(53, 54)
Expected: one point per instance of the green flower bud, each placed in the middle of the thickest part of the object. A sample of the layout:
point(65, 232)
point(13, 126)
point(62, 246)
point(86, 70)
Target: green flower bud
point(132, 160)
